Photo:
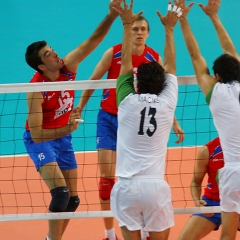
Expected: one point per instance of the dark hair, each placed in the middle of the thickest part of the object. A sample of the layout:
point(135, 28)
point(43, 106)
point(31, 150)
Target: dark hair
point(150, 78)
point(32, 54)
point(227, 67)
point(140, 18)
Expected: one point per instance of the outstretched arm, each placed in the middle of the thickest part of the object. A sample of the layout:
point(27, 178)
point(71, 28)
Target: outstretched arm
point(169, 21)
point(205, 81)
point(211, 10)
point(101, 68)
point(127, 18)
point(73, 58)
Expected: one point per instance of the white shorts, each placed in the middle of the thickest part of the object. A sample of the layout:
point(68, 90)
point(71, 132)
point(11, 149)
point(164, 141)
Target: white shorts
point(142, 203)
point(229, 187)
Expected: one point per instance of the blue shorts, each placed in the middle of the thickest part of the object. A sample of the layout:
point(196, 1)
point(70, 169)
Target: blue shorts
point(107, 130)
point(216, 218)
point(58, 150)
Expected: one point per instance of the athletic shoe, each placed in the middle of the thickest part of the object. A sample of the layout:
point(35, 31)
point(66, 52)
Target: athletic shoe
point(148, 238)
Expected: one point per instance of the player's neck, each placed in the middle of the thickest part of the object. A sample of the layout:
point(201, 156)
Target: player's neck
point(138, 50)
point(52, 76)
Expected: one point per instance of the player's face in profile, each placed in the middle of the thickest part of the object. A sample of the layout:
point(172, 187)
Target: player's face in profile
point(50, 59)
point(140, 32)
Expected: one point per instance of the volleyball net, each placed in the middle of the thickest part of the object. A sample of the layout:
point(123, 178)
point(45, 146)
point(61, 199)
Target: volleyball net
point(24, 195)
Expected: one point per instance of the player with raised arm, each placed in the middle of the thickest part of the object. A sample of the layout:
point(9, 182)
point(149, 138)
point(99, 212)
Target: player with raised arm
point(107, 117)
point(222, 94)
point(145, 116)
point(52, 119)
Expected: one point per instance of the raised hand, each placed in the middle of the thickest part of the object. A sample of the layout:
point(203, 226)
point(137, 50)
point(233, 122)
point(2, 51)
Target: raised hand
point(185, 9)
point(114, 7)
point(74, 119)
point(211, 8)
point(173, 14)
point(126, 14)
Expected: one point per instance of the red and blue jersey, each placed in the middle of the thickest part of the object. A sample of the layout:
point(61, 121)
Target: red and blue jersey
point(108, 102)
point(57, 105)
point(216, 162)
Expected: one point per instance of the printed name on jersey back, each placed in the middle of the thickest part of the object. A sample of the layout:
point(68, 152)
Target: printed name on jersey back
point(148, 99)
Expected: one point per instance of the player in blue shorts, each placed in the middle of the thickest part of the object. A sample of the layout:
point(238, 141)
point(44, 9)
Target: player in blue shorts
point(52, 119)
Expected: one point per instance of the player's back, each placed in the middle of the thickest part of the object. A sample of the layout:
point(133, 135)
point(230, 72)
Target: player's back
point(144, 124)
point(225, 108)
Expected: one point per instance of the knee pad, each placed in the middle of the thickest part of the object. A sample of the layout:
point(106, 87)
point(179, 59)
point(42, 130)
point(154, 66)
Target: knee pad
point(105, 186)
point(73, 204)
point(60, 199)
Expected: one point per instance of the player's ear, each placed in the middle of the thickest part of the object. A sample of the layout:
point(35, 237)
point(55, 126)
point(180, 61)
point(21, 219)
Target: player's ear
point(218, 77)
point(42, 67)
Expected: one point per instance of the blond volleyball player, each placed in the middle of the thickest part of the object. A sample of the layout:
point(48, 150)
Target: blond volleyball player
point(145, 117)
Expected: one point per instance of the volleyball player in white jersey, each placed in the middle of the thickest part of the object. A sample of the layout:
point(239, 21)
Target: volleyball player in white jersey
point(141, 199)
point(222, 94)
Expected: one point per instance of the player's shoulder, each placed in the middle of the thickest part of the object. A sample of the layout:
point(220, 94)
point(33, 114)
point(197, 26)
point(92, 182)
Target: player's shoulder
point(171, 77)
point(117, 47)
point(37, 77)
point(149, 49)
point(215, 142)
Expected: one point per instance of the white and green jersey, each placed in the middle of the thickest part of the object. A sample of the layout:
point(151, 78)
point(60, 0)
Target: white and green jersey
point(223, 100)
point(144, 124)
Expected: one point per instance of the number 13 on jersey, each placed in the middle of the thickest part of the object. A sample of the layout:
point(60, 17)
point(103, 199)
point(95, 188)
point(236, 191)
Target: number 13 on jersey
point(150, 112)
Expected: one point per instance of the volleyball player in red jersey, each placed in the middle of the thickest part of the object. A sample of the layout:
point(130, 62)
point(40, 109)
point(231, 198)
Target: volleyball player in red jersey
point(52, 119)
point(209, 160)
point(107, 117)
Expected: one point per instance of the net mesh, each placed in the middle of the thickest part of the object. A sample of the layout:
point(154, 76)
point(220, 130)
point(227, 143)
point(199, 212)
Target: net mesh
point(24, 195)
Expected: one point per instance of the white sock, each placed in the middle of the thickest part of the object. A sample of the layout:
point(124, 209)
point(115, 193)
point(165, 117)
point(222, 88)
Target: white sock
point(110, 234)
point(144, 235)
point(47, 238)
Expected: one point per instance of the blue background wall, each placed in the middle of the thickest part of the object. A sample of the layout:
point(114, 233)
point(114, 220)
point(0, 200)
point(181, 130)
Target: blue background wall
point(65, 24)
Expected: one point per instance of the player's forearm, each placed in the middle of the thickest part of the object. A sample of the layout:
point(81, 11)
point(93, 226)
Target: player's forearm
point(127, 49)
point(86, 94)
point(42, 135)
point(196, 190)
point(169, 51)
point(224, 39)
point(189, 38)
point(103, 28)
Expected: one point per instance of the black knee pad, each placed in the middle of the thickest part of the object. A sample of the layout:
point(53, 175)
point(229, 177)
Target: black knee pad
point(73, 204)
point(60, 199)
